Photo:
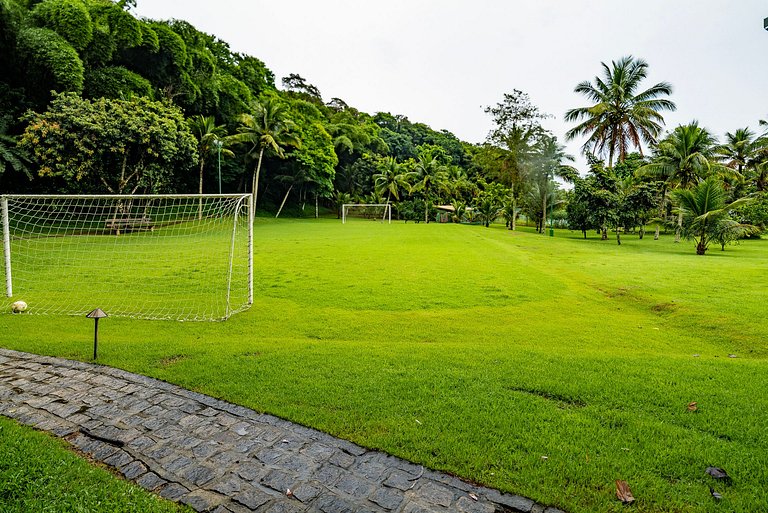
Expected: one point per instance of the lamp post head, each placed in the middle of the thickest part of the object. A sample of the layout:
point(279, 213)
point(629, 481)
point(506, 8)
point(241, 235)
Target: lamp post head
point(97, 314)
point(218, 143)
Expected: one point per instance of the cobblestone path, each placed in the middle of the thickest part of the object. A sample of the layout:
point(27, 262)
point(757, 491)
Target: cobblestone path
point(216, 456)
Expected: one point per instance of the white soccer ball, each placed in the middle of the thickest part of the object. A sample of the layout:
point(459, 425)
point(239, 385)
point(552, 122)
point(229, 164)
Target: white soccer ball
point(18, 307)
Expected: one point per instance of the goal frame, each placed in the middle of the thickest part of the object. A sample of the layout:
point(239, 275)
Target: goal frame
point(247, 199)
point(387, 210)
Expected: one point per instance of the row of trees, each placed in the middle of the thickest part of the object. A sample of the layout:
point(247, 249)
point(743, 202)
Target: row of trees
point(148, 106)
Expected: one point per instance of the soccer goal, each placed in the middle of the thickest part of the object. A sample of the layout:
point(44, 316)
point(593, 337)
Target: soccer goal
point(181, 257)
point(372, 211)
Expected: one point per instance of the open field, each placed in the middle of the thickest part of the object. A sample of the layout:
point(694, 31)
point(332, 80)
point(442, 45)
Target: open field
point(549, 367)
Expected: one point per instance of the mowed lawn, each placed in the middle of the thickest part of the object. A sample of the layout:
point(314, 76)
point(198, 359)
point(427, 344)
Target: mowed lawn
point(547, 367)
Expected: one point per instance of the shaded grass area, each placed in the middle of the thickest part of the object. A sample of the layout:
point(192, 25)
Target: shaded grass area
point(39, 473)
point(548, 367)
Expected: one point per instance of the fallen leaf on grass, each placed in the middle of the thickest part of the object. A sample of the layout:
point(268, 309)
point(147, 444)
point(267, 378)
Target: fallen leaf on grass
point(718, 473)
point(623, 492)
point(545, 458)
point(693, 406)
point(732, 356)
point(714, 494)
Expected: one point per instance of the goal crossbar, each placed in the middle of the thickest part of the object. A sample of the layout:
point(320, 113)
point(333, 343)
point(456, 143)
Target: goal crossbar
point(387, 216)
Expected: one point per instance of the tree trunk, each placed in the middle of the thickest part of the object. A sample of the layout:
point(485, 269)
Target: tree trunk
point(317, 208)
point(642, 231)
point(603, 233)
point(661, 212)
point(679, 229)
point(544, 212)
point(426, 211)
point(701, 248)
point(514, 213)
point(618, 236)
point(585, 234)
point(255, 184)
point(283, 203)
point(200, 189)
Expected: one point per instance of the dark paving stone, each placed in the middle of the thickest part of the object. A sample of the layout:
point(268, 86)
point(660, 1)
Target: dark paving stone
point(201, 500)
point(150, 481)
point(251, 499)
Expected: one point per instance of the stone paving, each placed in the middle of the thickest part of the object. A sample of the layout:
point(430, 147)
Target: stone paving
point(219, 457)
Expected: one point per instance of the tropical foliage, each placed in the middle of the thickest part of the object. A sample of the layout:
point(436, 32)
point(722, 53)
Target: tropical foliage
point(140, 105)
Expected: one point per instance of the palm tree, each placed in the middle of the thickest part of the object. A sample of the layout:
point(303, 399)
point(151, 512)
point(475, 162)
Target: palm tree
point(209, 136)
point(10, 154)
point(430, 173)
point(684, 158)
point(743, 151)
point(550, 159)
point(705, 213)
point(266, 128)
point(390, 178)
point(620, 117)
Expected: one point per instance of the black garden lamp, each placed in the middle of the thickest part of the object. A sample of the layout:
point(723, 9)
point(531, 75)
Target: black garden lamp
point(96, 315)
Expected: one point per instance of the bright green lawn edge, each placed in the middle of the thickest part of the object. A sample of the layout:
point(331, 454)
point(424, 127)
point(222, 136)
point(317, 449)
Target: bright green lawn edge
point(42, 474)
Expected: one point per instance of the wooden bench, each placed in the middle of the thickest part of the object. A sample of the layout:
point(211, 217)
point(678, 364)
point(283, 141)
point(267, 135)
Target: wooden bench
point(129, 224)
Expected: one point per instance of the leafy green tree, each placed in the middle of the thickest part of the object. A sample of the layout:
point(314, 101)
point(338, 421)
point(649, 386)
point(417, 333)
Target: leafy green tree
point(600, 194)
point(68, 18)
point(620, 116)
point(49, 62)
point(636, 202)
point(115, 82)
point(705, 213)
point(107, 145)
point(511, 146)
point(577, 210)
point(266, 128)
point(684, 158)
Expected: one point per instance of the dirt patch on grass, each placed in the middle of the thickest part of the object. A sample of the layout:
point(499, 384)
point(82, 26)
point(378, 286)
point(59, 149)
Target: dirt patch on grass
point(172, 360)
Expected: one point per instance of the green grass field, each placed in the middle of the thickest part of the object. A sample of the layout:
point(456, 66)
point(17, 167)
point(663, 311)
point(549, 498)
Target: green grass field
point(547, 367)
point(38, 473)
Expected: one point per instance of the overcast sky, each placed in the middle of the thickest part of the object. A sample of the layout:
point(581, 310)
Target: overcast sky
point(441, 62)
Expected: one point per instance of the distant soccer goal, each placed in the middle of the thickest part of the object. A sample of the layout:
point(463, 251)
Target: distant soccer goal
point(180, 257)
point(372, 211)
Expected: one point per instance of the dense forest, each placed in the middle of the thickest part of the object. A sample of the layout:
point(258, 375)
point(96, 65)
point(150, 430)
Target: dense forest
point(96, 100)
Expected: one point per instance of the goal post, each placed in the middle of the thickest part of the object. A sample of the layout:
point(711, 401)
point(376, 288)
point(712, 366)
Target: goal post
point(181, 257)
point(368, 211)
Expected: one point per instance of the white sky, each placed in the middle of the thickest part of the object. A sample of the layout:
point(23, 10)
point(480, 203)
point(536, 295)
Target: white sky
point(440, 61)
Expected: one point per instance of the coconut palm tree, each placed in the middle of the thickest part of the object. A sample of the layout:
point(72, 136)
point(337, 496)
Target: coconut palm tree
point(266, 128)
point(550, 163)
point(430, 174)
point(391, 178)
point(10, 154)
point(620, 116)
point(684, 158)
point(705, 213)
point(208, 136)
point(745, 152)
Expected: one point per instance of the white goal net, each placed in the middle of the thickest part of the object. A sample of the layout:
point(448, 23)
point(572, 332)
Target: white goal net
point(372, 211)
point(181, 257)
